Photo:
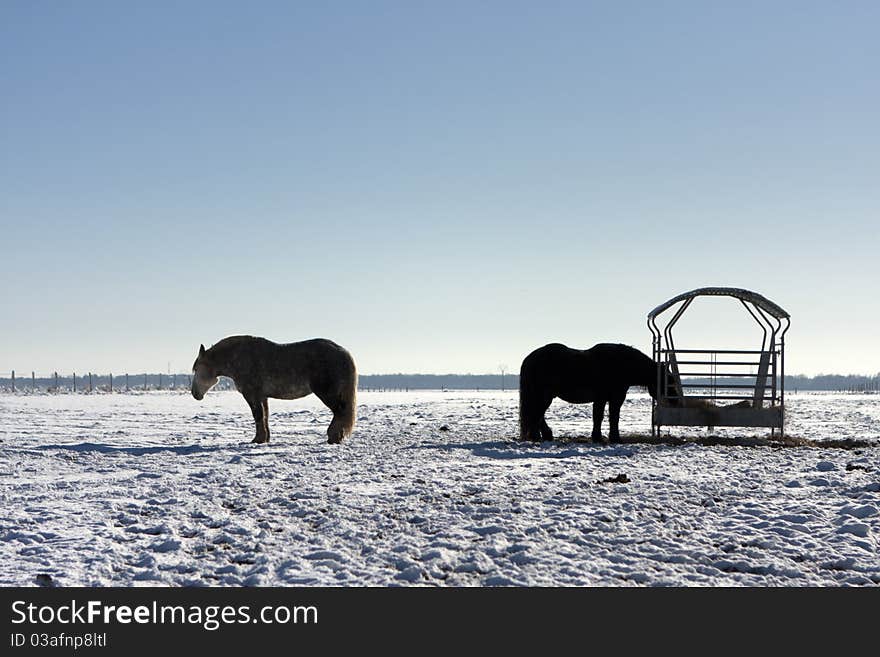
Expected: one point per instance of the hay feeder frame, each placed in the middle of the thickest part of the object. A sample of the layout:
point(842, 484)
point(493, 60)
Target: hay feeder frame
point(750, 384)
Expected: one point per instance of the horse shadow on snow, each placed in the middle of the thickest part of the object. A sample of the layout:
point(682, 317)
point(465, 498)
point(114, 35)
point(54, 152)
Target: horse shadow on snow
point(180, 450)
point(511, 449)
point(579, 446)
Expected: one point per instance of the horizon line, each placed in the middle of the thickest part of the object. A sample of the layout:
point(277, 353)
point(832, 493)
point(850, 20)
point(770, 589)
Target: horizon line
point(7, 376)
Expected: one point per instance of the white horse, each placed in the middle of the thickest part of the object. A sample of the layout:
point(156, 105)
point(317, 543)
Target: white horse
point(261, 369)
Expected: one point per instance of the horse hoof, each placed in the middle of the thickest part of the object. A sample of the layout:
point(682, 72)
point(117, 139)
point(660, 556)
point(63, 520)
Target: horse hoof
point(260, 441)
point(334, 441)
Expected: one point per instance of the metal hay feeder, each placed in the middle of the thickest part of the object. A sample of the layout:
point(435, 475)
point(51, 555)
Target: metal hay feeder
point(750, 385)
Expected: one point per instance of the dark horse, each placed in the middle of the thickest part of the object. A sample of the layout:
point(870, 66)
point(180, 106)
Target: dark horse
point(261, 369)
point(600, 374)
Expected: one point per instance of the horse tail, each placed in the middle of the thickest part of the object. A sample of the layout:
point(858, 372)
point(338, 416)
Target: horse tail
point(349, 400)
point(340, 396)
point(523, 420)
point(527, 404)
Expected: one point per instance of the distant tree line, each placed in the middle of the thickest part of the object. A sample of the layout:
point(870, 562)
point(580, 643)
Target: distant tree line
point(93, 382)
point(121, 382)
point(437, 382)
point(846, 382)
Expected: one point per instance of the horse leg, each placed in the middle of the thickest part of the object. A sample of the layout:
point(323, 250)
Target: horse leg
point(539, 429)
point(343, 419)
point(536, 427)
point(598, 415)
point(530, 431)
point(265, 406)
point(532, 406)
point(259, 407)
point(335, 430)
point(614, 419)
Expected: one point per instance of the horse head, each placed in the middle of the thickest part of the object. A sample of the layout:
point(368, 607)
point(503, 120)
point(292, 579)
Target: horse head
point(204, 374)
point(671, 391)
point(667, 380)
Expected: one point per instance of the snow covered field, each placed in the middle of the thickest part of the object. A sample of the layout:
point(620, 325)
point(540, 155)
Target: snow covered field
point(158, 489)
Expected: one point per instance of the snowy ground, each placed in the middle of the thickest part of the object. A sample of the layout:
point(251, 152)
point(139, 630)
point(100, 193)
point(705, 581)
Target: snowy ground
point(158, 489)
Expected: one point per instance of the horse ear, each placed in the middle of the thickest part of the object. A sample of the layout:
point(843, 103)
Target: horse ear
point(201, 350)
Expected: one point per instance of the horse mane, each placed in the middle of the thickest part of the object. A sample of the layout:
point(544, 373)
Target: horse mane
point(633, 352)
point(221, 349)
point(641, 361)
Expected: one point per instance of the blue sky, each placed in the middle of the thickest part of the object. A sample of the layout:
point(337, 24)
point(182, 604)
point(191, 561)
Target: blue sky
point(437, 186)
